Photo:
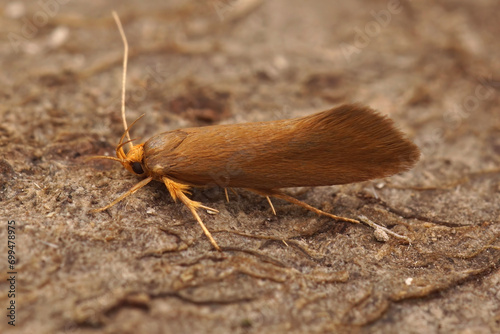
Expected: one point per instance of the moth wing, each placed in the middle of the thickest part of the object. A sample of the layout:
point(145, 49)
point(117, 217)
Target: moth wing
point(346, 144)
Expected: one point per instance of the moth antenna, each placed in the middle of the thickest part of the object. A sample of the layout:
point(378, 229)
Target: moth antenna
point(94, 157)
point(124, 77)
point(124, 143)
point(128, 130)
point(119, 149)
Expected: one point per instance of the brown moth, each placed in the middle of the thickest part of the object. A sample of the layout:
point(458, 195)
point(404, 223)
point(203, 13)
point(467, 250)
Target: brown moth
point(346, 144)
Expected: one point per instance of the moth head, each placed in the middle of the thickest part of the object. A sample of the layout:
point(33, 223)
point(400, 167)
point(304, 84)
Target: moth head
point(133, 159)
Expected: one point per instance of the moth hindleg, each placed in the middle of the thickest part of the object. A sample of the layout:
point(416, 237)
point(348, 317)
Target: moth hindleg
point(293, 200)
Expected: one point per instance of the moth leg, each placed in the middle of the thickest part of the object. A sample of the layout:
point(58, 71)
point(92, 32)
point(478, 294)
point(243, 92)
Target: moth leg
point(178, 191)
point(266, 194)
point(128, 193)
point(281, 195)
point(208, 208)
point(271, 204)
point(227, 195)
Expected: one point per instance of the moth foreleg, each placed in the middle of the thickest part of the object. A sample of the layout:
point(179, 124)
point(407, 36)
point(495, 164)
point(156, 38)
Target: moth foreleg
point(128, 193)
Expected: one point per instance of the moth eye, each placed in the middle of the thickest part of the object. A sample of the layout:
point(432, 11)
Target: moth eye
point(137, 168)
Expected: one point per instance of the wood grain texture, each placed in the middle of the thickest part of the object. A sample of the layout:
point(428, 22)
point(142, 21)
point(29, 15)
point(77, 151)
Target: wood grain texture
point(342, 145)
